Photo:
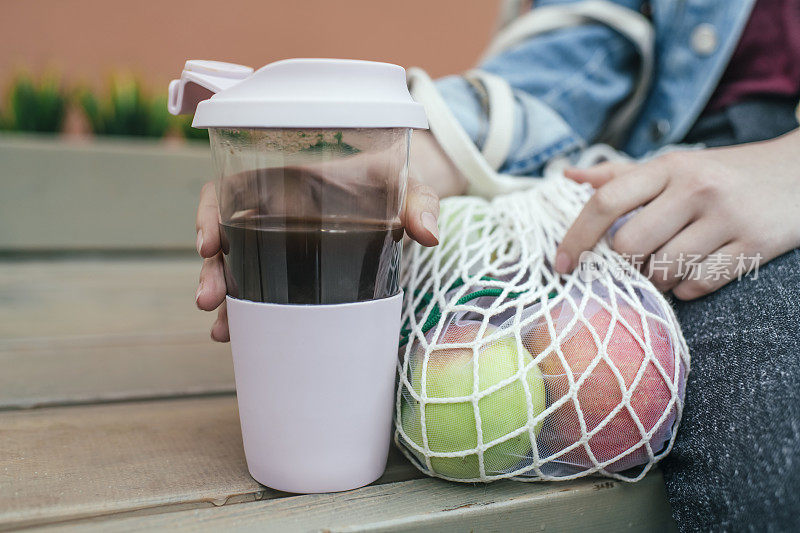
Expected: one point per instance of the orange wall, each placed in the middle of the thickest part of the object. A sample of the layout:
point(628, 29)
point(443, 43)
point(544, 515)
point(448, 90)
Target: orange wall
point(85, 40)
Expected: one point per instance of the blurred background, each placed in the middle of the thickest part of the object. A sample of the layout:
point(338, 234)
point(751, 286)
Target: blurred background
point(99, 185)
point(90, 159)
point(97, 47)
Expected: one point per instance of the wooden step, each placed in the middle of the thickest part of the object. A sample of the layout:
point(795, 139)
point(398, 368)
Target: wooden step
point(84, 330)
point(123, 337)
point(68, 463)
point(161, 458)
point(429, 506)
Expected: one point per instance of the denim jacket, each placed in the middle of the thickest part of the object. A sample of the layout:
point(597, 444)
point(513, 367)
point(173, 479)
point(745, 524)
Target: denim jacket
point(568, 82)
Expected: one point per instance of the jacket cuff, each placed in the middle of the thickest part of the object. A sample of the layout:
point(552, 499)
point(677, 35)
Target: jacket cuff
point(540, 133)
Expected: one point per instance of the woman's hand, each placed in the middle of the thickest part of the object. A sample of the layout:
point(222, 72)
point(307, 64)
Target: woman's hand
point(420, 221)
point(430, 164)
point(709, 206)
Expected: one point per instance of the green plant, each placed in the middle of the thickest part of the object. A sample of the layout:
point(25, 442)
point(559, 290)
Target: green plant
point(324, 145)
point(35, 105)
point(184, 123)
point(126, 110)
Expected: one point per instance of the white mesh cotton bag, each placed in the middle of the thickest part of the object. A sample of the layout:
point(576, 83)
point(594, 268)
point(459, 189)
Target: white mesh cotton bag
point(507, 369)
point(510, 370)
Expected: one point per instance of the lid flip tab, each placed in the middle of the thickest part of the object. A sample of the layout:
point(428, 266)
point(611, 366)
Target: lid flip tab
point(200, 80)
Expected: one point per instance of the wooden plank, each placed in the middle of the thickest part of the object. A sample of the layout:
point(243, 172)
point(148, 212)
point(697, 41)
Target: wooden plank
point(94, 330)
point(108, 370)
point(99, 296)
point(106, 193)
point(429, 505)
point(69, 463)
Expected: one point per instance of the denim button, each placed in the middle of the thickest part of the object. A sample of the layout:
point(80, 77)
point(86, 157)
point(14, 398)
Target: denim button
point(659, 129)
point(704, 39)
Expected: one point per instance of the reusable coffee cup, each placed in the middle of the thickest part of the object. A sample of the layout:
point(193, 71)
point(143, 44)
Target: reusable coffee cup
point(311, 157)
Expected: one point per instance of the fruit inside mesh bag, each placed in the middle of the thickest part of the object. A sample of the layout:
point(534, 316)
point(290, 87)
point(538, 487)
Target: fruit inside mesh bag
point(602, 349)
point(445, 400)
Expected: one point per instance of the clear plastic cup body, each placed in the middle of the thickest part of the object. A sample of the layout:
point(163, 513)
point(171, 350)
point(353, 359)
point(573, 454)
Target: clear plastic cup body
point(311, 216)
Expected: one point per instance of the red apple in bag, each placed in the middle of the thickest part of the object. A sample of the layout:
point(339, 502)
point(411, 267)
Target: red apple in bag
point(601, 391)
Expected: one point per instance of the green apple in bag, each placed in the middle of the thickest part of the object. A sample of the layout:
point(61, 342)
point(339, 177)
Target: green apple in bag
point(451, 427)
point(462, 227)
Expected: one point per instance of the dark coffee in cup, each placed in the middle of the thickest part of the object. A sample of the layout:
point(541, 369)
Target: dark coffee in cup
point(306, 261)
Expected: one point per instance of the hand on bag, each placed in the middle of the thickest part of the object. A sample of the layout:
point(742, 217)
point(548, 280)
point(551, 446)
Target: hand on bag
point(420, 221)
point(709, 207)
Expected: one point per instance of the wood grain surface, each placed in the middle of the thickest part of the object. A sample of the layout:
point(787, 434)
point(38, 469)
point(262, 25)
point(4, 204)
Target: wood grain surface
point(66, 463)
point(86, 330)
point(429, 505)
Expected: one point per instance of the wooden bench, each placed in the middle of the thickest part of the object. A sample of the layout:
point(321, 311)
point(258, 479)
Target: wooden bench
point(117, 412)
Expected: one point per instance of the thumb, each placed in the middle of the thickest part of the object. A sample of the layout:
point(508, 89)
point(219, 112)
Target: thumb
point(422, 213)
point(599, 175)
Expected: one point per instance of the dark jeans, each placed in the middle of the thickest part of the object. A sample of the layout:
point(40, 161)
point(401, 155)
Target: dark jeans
point(736, 462)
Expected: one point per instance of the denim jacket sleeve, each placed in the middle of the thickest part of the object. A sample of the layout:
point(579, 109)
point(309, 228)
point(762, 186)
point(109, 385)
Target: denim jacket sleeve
point(566, 84)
